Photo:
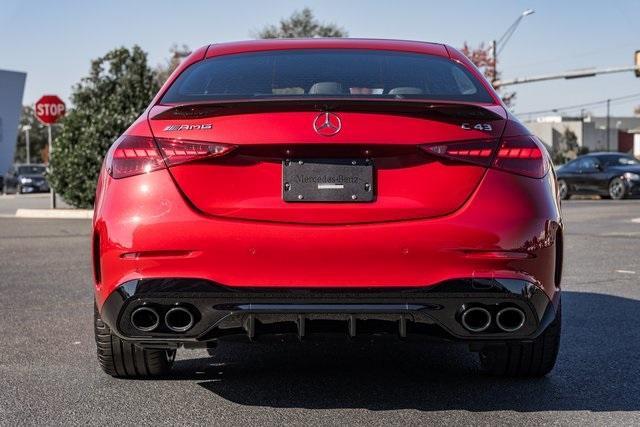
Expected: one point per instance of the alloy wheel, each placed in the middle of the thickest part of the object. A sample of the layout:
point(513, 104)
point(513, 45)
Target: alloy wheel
point(616, 189)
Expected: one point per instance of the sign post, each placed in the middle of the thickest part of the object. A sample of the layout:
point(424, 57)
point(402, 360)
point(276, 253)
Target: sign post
point(50, 109)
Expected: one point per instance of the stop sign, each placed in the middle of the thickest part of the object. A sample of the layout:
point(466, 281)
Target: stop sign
point(49, 109)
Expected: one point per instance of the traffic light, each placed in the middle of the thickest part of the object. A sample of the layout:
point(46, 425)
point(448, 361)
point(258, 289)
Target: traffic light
point(637, 63)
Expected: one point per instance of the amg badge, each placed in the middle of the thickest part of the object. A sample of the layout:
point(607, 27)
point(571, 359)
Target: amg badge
point(188, 127)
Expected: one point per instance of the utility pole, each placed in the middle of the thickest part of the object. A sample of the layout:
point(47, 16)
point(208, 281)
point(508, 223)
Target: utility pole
point(494, 51)
point(502, 41)
point(26, 130)
point(53, 193)
point(608, 120)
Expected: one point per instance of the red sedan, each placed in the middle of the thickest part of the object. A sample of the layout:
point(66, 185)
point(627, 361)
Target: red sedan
point(327, 186)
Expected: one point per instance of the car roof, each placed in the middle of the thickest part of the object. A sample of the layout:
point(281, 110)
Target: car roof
point(327, 43)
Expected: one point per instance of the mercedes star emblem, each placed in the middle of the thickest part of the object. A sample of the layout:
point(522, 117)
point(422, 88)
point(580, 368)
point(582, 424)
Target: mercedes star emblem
point(327, 124)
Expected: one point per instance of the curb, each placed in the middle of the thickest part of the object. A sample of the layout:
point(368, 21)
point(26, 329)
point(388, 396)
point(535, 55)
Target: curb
point(55, 213)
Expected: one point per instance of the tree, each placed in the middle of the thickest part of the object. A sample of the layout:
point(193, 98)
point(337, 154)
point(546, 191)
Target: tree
point(38, 142)
point(567, 148)
point(300, 24)
point(483, 59)
point(177, 54)
point(119, 87)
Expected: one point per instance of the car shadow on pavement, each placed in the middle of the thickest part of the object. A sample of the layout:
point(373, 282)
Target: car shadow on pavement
point(597, 370)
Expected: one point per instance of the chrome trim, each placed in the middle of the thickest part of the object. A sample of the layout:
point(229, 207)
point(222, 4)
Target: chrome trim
point(508, 309)
point(180, 328)
point(145, 328)
point(463, 319)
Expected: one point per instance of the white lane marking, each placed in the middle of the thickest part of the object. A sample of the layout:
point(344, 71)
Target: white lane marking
point(25, 196)
point(55, 213)
point(620, 234)
point(625, 271)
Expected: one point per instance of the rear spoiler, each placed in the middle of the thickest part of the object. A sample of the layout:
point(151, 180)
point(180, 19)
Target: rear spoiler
point(444, 109)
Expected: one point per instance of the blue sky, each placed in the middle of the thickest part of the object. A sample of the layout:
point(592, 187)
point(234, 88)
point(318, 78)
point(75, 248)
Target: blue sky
point(54, 41)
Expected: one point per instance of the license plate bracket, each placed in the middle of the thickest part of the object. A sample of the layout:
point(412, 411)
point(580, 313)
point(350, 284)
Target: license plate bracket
point(328, 180)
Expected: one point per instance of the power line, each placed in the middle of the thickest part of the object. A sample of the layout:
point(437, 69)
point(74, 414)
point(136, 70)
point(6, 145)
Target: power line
point(580, 106)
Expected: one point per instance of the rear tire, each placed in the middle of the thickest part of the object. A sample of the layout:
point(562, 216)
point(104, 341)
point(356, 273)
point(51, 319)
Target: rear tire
point(525, 359)
point(122, 359)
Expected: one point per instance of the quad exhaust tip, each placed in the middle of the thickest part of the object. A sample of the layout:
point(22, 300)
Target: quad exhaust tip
point(179, 319)
point(476, 319)
point(145, 319)
point(510, 319)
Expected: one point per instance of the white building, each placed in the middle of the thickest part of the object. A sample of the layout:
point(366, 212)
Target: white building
point(591, 131)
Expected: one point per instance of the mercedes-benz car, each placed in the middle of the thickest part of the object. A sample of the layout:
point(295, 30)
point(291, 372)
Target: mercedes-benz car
point(327, 187)
point(607, 174)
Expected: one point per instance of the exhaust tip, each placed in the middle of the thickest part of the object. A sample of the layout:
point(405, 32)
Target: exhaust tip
point(145, 319)
point(179, 319)
point(476, 319)
point(510, 319)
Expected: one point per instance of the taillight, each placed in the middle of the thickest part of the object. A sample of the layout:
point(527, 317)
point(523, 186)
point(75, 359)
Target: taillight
point(178, 151)
point(135, 155)
point(522, 155)
point(478, 151)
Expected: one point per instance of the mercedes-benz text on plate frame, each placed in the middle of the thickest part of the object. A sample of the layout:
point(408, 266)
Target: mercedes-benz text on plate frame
point(327, 186)
point(328, 180)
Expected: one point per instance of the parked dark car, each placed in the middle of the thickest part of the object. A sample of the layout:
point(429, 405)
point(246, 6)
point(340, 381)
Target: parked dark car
point(609, 175)
point(26, 179)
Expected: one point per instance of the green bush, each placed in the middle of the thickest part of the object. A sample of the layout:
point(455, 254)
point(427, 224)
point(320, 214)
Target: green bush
point(119, 87)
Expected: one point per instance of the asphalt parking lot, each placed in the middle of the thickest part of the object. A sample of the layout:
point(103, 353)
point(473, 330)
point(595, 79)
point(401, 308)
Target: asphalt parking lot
point(49, 374)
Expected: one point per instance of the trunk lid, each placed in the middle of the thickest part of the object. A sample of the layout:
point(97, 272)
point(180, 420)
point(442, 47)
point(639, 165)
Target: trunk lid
point(409, 183)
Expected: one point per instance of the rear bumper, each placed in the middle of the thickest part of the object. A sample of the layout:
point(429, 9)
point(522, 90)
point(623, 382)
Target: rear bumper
point(220, 312)
point(144, 228)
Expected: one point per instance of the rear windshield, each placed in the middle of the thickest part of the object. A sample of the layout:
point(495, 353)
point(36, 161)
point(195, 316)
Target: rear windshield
point(321, 73)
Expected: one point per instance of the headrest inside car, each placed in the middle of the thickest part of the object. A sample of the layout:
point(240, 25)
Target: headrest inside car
point(326, 88)
point(408, 90)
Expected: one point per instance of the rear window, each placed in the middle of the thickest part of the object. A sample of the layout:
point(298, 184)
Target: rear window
point(321, 73)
